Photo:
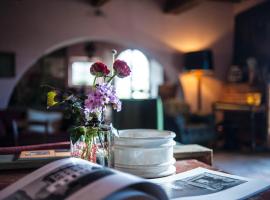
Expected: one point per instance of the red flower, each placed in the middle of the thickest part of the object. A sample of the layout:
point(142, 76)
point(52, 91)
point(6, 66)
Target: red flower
point(121, 68)
point(99, 69)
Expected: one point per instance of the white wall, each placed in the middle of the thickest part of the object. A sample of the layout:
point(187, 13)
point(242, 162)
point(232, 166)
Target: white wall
point(32, 28)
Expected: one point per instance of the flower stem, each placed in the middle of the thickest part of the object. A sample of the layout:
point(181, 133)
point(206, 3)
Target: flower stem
point(100, 140)
point(95, 81)
point(114, 52)
point(111, 78)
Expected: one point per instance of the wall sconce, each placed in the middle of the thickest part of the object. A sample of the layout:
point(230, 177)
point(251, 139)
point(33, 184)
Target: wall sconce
point(199, 63)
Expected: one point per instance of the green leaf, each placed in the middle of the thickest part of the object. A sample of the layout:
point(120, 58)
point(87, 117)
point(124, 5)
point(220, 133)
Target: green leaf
point(76, 133)
point(82, 131)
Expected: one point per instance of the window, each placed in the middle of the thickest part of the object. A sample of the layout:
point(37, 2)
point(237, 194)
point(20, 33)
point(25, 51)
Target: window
point(79, 72)
point(145, 76)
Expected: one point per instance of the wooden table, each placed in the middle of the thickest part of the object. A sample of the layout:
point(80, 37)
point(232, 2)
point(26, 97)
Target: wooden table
point(193, 151)
point(8, 177)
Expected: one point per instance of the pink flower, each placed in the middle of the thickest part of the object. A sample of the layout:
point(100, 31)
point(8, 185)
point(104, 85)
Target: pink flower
point(99, 69)
point(121, 68)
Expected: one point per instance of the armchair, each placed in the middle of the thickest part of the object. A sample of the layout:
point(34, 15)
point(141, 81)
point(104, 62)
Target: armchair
point(189, 128)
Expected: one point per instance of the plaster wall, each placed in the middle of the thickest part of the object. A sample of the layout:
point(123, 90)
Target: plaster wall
point(33, 28)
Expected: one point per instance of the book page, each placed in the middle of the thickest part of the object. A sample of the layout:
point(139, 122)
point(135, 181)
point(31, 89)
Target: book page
point(74, 179)
point(201, 183)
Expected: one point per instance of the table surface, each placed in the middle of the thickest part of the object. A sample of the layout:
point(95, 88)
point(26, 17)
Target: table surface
point(8, 177)
point(193, 151)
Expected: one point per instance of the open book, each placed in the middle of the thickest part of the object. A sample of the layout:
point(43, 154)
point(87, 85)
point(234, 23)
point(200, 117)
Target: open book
point(76, 179)
point(205, 184)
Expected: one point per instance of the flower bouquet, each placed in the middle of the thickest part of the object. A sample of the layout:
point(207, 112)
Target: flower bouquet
point(90, 136)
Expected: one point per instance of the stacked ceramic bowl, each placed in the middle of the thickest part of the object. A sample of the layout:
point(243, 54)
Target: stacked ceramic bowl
point(144, 152)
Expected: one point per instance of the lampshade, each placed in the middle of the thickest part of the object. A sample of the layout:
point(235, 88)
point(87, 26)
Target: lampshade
point(198, 60)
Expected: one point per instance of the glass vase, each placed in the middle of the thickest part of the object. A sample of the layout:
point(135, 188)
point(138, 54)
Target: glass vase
point(105, 140)
point(92, 144)
point(83, 143)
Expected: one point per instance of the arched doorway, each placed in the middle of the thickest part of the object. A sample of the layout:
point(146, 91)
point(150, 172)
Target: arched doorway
point(68, 68)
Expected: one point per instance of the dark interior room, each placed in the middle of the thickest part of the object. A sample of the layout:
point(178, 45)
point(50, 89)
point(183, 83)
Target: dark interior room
point(103, 80)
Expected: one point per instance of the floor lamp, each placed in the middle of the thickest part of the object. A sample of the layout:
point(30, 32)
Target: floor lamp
point(200, 63)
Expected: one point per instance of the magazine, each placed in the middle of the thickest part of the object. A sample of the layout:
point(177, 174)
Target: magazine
point(77, 179)
point(32, 159)
point(44, 154)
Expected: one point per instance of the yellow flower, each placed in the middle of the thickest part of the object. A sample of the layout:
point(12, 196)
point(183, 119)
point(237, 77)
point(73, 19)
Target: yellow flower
point(51, 98)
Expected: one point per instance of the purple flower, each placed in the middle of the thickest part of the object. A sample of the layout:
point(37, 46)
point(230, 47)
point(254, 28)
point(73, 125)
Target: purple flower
point(101, 96)
point(121, 68)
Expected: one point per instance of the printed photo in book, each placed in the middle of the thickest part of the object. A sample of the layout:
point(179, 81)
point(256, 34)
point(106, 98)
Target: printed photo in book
point(201, 184)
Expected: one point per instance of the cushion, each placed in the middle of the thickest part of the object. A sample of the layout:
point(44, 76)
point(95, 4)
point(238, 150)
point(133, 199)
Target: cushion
point(174, 107)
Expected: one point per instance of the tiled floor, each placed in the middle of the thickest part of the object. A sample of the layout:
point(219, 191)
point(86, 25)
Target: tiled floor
point(253, 165)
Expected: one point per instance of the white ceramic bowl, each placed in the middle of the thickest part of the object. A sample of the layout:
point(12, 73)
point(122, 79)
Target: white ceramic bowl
point(144, 151)
point(142, 156)
point(158, 168)
point(146, 138)
point(147, 173)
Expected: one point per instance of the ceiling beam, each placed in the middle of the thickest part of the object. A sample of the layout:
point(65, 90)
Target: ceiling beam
point(179, 6)
point(97, 3)
point(229, 1)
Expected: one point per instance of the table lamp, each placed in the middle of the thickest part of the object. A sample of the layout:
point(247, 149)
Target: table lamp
point(199, 63)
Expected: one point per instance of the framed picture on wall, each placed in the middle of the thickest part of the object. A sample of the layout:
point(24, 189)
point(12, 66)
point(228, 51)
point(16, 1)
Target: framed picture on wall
point(7, 64)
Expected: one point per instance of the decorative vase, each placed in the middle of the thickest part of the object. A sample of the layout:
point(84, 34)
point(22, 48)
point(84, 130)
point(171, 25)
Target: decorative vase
point(92, 144)
point(90, 137)
point(105, 141)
